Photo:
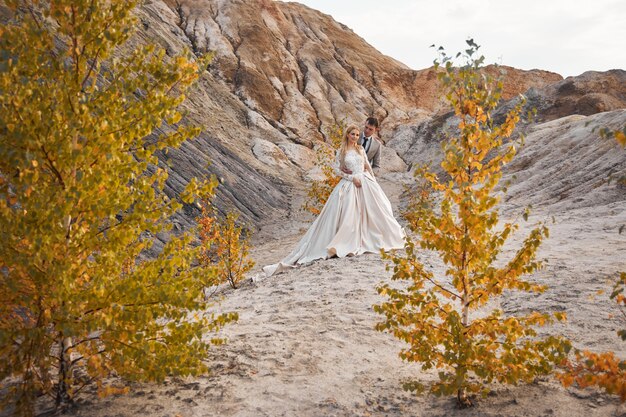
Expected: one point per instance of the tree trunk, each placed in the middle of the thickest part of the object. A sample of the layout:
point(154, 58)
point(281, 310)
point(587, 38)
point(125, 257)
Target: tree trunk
point(462, 400)
point(64, 398)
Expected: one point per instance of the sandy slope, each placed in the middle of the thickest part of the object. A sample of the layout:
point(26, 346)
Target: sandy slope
point(305, 343)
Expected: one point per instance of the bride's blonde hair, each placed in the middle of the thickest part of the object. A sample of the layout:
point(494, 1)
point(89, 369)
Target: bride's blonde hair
point(344, 143)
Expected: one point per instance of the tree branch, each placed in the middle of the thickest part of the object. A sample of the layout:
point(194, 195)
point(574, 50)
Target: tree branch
point(55, 171)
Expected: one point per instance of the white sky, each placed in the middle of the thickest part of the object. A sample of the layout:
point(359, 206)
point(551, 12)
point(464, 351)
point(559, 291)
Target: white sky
point(568, 37)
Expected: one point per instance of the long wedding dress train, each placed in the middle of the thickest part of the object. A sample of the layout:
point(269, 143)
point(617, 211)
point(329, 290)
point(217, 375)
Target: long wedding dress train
point(355, 220)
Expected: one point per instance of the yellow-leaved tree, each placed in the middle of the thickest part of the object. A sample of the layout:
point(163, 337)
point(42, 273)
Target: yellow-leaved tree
point(445, 318)
point(225, 246)
point(320, 190)
point(80, 202)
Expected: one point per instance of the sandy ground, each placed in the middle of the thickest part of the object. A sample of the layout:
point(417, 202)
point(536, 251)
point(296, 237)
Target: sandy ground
point(305, 343)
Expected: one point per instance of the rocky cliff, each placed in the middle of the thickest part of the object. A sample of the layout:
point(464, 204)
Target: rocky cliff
point(283, 73)
point(587, 94)
point(303, 70)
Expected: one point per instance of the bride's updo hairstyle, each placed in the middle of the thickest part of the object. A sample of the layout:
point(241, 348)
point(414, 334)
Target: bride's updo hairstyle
point(344, 143)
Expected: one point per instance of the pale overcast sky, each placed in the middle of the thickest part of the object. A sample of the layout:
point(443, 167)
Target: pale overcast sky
point(564, 36)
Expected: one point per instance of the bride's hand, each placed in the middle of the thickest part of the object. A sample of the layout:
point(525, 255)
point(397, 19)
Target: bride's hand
point(356, 182)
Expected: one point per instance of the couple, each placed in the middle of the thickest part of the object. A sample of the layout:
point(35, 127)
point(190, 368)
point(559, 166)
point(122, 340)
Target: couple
point(357, 217)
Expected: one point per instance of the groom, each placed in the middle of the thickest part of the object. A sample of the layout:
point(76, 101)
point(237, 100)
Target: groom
point(370, 142)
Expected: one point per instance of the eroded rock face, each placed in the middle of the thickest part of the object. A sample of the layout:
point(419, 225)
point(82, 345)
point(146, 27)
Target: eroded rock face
point(225, 148)
point(589, 93)
point(302, 156)
point(283, 73)
point(517, 81)
point(566, 165)
point(269, 154)
point(292, 64)
point(305, 71)
point(390, 161)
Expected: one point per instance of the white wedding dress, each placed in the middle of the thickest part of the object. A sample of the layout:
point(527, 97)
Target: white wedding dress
point(353, 221)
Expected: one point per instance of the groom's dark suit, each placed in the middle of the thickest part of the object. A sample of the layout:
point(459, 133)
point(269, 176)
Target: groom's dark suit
point(373, 148)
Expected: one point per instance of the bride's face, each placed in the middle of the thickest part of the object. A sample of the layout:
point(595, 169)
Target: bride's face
point(353, 137)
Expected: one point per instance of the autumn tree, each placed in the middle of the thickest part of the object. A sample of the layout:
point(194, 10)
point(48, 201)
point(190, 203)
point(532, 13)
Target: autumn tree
point(81, 200)
point(446, 319)
point(225, 246)
point(320, 190)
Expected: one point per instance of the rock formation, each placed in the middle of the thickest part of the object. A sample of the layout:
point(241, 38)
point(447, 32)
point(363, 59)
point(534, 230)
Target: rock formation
point(587, 94)
point(304, 71)
point(282, 74)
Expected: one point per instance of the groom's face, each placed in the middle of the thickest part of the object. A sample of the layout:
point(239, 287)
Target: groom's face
point(369, 130)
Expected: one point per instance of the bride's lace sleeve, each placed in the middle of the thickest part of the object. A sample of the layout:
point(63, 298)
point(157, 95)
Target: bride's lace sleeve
point(337, 168)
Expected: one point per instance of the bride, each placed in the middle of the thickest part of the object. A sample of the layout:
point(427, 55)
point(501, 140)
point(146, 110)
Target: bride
point(356, 219)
